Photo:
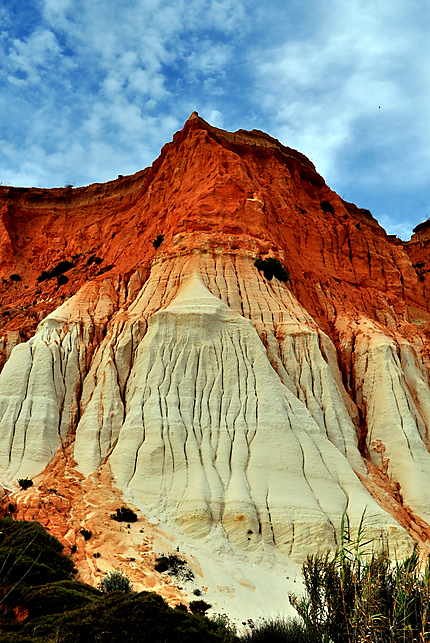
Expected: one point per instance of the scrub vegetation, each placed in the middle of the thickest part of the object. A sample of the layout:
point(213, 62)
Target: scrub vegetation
point(354, 595)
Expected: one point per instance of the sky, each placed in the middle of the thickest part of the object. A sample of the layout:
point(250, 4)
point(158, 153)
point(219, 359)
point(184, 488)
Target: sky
point(90, 89)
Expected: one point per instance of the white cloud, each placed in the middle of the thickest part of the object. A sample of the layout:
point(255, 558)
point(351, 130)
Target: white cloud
point(27, 60)
point(215, 117)
point(346, 85)
point(114, 81)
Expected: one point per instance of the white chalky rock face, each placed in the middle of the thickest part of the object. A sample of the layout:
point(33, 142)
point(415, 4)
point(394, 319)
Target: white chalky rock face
point(393, 388)
point(217, 402)
point(212, 436)
point(38, 400)
point(40, 385)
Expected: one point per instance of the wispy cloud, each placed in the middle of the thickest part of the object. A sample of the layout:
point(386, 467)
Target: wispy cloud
point(96, 88)
point(349, 85)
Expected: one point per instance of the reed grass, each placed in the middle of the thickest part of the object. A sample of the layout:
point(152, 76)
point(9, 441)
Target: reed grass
point(360, 595)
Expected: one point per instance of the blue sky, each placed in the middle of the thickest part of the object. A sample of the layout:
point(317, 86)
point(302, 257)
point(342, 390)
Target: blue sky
point(90, 89)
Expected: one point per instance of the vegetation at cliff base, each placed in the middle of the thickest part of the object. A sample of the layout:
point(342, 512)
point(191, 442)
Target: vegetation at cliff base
point(115, 581)
point(359, 593)
point(279, 630)
point(355, 595)
point(37, 584)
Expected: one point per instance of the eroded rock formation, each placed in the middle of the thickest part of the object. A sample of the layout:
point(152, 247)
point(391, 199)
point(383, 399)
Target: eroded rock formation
point(218, 399)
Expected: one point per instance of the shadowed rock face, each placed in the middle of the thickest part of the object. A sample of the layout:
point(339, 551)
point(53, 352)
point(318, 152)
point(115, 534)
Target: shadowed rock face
point(220, 400)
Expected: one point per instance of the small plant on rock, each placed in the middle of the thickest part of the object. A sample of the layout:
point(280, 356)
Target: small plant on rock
point(174, 565)
point(199, 607)
point(158, 240)
point(94, 259)
point(25, 483)
point(124, 514)
point(56, 271)
point(326, 206)
point(61, 280)
point(115, 581)
point(272, 267)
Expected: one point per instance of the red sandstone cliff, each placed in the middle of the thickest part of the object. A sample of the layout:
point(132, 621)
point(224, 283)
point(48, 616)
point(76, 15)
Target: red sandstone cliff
point(243, 190)
point(339, 353)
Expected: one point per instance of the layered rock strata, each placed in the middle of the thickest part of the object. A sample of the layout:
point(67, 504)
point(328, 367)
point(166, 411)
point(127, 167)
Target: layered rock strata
point(220, 400)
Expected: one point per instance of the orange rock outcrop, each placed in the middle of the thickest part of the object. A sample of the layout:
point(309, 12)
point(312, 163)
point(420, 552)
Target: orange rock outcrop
point(347, 336)
point(209, 189)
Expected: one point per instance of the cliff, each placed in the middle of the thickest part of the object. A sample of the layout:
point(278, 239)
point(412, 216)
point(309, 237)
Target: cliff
point(147, 354)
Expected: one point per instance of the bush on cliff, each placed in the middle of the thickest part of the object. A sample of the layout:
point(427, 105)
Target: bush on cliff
point(124, 514)
point(25, 483)
point(272, 268)
point(158, 240)
point(175, 566)
point(115, 581)
point(59, 269)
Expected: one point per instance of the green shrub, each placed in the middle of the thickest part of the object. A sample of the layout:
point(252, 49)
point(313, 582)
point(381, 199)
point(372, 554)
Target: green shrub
point(224, 626)
point(15, 277)
point(358, 594)
point(135, 618)
point(26, 548)
point(279, 630)
point(57, 270)
point(105, 269)
point(326, 206)
point(25, 483)
point(86, 533)
point(272, 268)
point(115, 581)
point(94, 259)
point(199, 607)
point(124, 514)
point(60, 596)
point(174, 565)
point(62, 280)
